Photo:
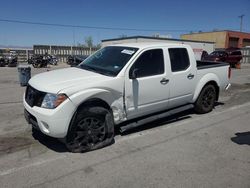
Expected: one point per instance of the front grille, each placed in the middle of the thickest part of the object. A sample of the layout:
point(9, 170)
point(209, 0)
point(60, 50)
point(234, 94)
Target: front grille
point(31, 119)
point(34, 97)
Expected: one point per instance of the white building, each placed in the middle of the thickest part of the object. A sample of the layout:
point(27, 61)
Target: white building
point(198, 46)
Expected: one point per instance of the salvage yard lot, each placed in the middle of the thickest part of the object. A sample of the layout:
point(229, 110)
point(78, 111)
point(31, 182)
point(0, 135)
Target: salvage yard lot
point(188, 150)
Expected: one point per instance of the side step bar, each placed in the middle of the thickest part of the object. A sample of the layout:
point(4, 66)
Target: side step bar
point(139, 122)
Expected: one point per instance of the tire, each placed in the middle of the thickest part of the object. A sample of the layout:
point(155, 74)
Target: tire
point(206, 100)
point(92, 129)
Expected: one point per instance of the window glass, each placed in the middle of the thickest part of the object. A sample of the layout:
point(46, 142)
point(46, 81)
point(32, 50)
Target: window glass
point(109, 60)
point(149, 63)
point(236, 53)
point(179, 59)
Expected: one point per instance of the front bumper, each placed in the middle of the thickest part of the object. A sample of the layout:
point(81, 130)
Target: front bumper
point(52, 122)
point(31, 119)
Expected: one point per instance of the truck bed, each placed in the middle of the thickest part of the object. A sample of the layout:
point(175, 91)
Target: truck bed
point(209, 64)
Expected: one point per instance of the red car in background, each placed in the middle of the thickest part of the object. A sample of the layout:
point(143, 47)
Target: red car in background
point(230, 55)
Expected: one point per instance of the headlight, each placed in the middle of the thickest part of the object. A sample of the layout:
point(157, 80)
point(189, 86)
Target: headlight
point(51, 101)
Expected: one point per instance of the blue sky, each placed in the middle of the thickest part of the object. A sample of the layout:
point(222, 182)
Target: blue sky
point(184, 16)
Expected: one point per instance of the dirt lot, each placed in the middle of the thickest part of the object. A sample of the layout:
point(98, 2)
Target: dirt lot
point(188, 150)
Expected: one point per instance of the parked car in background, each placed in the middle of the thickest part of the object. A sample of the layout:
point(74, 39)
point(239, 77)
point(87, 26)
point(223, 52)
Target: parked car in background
point(217, 55)
point(38, 61)
point(52, 60)
point(2, 61)
point(74, 60)
point(234, 56)
point(230, 55)
point(9, 60)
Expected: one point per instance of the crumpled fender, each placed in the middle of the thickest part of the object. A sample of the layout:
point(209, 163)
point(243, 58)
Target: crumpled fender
point(113, 98)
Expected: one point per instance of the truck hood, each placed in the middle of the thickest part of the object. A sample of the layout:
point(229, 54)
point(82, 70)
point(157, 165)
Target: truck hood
point(57, 80)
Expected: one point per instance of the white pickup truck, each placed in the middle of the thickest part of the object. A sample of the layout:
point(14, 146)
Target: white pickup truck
point(128, 84)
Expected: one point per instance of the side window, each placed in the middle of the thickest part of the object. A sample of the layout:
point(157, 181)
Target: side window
point(236, 53)
point(149, 63)
point(179, 59)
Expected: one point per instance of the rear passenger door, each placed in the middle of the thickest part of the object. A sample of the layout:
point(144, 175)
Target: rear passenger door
point(183, 76)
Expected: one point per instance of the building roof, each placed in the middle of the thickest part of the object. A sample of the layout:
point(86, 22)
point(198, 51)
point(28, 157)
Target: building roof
point(216, 32)
point(157, 38)
point(16, 47)
point(141, 45)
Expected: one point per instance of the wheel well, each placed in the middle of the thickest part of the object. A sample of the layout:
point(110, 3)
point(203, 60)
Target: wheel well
point(217, 89)
point(90, 102)
point(94, 102)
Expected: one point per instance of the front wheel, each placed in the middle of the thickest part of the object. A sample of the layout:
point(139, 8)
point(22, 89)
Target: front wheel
point(206, 100)
point(93, 128)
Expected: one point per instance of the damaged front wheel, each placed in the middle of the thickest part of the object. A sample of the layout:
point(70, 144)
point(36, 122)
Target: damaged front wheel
point(93, 128)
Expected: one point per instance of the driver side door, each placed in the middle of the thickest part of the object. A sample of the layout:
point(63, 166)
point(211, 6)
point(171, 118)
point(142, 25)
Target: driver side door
point(146, 84)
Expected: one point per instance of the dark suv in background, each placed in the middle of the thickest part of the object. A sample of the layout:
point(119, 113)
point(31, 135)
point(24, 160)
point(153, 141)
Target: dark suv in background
point(230, 55)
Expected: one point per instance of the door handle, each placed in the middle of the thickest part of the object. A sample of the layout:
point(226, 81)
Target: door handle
point(164, 81)
point(190, 76)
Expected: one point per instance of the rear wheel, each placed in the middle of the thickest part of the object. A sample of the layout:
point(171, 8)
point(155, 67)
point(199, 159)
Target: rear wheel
point(206, 100)
point(93, 128)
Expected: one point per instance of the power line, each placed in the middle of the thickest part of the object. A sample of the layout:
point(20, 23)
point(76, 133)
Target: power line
point(102, 28)
point(88, 27)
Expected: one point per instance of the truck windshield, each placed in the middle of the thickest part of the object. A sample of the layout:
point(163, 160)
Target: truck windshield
point(109, 60)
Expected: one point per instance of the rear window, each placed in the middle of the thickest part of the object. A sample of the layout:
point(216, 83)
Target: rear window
point(218, 53)
point(236, 53)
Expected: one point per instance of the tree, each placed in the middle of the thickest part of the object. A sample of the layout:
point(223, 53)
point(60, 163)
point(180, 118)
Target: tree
point(89, 42)
point(79, 45)
point(98, 45)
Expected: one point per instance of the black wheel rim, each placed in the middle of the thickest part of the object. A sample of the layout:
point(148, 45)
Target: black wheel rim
point(89, 132)
point(208, 98)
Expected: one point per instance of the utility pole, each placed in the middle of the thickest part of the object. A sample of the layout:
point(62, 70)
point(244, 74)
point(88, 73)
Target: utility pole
point(241, 21)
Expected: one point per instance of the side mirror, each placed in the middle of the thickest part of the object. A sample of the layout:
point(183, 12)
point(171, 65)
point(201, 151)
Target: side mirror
point(134, 74)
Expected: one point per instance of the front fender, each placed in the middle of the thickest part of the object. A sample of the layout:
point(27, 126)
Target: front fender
point(113, 98)
point(203, 81)
point(103, 94)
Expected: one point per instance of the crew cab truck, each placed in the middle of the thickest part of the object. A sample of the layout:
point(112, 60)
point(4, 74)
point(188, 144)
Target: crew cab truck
point(128, 85)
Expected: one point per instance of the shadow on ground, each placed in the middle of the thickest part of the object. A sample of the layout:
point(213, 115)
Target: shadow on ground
point(158, 123)
point(242, 138)
point(51, 143)
point(217, 103)
point(57, 146)
point(163, 121)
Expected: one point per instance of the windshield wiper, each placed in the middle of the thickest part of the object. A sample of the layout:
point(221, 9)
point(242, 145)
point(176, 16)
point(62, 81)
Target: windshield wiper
point(88, 68)
point(97, 70)
point(106, 73)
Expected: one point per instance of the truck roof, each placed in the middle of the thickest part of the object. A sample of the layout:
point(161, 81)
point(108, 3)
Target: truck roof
point(141, 45)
